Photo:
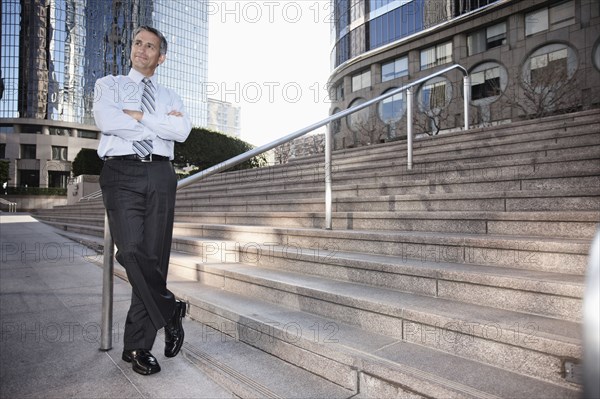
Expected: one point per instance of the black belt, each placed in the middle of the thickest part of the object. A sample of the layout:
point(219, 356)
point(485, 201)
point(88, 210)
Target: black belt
point(133, 157)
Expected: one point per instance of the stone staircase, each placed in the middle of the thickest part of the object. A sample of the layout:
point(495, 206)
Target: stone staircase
point(463, 277)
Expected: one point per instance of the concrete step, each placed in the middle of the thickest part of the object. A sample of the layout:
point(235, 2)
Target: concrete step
point(515, 149)
point(249, 372)
point(65, 219)
point(454, 328)
point(411, 318)
point(556, 255)
point(559, 139)
point(374, 365)
point(554, 224)
point(541, 293)
point(584, 163)
point(560, 200)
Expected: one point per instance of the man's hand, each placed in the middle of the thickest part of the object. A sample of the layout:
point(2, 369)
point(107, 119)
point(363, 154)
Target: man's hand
point(135, 114)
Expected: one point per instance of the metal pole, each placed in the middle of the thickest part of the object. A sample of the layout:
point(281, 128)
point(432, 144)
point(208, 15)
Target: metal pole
point(328, 172)
point(409, 127)
point(107, 288)
point(467, 98)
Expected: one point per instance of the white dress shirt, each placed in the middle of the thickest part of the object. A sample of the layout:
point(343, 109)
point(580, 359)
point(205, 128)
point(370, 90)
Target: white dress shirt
point(113, 94)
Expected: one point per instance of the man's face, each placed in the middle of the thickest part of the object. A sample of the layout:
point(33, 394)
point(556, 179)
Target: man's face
point(145, 53)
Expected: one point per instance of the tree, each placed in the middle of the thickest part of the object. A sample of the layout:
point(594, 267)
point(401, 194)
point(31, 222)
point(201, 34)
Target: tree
point(205, 148)
point(435, 108)
point(87, 162)
point(543, 94)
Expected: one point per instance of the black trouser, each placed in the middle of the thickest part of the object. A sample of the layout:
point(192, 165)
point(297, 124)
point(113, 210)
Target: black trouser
point(140, 201)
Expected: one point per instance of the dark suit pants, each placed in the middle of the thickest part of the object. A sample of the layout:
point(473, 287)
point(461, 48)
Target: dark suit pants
point(140, 200)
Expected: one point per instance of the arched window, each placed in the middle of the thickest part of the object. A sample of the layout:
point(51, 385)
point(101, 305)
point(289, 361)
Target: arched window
point(596, 55)
point(435, 94)
point(357, 120)
point(392, 109)
point(549, 81)
point(550, 65)
point(335, 126)
point(488, 81)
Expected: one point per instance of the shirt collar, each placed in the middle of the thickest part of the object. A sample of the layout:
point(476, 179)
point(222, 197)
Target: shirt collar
point(137, 77)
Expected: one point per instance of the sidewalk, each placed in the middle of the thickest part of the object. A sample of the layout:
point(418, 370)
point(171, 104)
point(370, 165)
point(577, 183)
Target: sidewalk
point(50, 312)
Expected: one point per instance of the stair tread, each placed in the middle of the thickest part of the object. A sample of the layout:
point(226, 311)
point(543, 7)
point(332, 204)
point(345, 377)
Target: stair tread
point(564, 216)
point(562, 244)
point(404, 305)
point(342, 341)
point(250, 372)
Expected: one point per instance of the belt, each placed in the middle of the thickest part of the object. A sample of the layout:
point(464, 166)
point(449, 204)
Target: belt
point(133, 157)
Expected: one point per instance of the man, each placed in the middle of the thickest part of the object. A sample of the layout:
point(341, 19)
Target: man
point(140, 120)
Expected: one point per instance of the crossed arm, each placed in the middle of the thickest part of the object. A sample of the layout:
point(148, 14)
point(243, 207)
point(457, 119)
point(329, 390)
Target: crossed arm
point(138, 115)
point(132, 124)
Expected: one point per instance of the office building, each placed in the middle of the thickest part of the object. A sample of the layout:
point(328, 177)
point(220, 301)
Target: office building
point(224, 117)
point(525, 59)
point(52, 53)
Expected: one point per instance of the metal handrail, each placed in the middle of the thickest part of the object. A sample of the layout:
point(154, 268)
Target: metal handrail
point(106, 333)
point(12, 206)
point(91, 196)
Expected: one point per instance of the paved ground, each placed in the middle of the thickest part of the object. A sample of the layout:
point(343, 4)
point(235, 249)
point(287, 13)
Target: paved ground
point(50, 312)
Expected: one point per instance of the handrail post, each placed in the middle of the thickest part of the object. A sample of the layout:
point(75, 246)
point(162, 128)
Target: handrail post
point(467, 98)
point(409, 128)
point(107, 288)
point(328, 172)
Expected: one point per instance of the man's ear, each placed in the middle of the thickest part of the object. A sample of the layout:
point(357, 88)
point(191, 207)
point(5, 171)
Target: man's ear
point(161, 59)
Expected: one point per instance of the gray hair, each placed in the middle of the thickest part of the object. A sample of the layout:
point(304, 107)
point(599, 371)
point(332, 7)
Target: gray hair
point(163, 40)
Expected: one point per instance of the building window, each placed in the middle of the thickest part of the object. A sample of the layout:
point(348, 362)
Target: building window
point(57, 131)
point(87, 134)
point(485, 83)
point(596, 56)
point(361, 81)
point(336, 93)
point(392, 108)
point(28, 151)
point(485, 39)
point(557, 16)
point(562, 14)
point(394, 69)
point(435, 94)
point(551, 65)
point(549, 79)
point(31, 129)
point(357, 120)
point(59, 153)
point(29, 178)
point(488, 81)
point(336, 125)
point(2, 151)
point(436, 55)
point(58, 179)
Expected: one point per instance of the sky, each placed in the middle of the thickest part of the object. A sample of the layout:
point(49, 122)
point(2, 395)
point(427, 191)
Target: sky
point(271, 58)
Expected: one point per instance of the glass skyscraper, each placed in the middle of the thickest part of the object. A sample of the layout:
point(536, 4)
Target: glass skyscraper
point(54, 50)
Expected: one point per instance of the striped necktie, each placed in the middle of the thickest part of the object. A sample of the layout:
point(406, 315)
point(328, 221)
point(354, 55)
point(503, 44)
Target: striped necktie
point(143, 148)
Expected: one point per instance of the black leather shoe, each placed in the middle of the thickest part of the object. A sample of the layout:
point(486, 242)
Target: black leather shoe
point(174, 331)
point(143, 361)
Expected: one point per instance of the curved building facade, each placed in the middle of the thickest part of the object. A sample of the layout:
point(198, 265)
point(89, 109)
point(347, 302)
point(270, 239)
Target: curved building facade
point(52, 53)
point(526, 59)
